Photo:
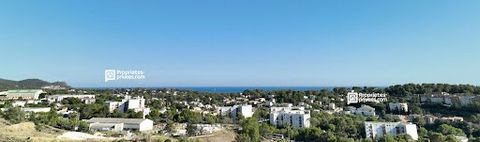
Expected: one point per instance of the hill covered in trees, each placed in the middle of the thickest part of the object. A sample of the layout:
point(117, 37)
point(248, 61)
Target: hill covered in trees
point(28, 84)
point(425, 88)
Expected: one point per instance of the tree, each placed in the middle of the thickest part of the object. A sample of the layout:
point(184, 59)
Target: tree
point(83, 126)
point(419, 121)
point(188, 116)
point(209, 119)
point(242, 138)
point(422, 133)
point(451, 138)
point(446, 129)
point(416, 109)
point(132, 114)
point(475, 118)
point(93, 110)
point(266, 130)
point(117, 114)
point(403, 138)
point(311, 134)
point(250, 128)
point(15, 115)
point(437, 137)
point(388, 138)
point(154, 115)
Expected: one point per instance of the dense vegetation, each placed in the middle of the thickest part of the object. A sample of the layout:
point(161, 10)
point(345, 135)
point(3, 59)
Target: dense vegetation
point(324, 126)
point(346, 128)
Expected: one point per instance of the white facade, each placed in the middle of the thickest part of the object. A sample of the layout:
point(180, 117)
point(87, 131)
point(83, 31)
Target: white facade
point(137, 104)
point(244, 110)
point(23, 103)
point(36, 109)
point(447, 99)
point(403, 107)
point(118, 124)
point(332, 106)
point(87, 99)
point(430, 119)
point(204, 129)
point(363, 110)
point(19, 103)
point(377, 130)
point(442, 98)
point(297, 117)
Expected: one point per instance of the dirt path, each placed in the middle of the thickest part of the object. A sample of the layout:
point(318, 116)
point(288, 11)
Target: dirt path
point(221, 136)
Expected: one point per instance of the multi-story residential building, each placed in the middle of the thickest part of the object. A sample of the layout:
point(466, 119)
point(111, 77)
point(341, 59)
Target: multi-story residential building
point(441, 98)
point(363, 110)
point(401, 107)
point(234, 111)
point(137, 104)
point(459, 99)
point(377, 130)
point(297, 117)
point(430, 119)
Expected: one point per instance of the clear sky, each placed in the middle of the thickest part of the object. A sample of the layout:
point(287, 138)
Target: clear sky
point(243, 42)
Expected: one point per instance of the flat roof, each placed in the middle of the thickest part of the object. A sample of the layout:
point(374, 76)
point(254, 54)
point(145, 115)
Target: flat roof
point(25, 91)
point(116, 120)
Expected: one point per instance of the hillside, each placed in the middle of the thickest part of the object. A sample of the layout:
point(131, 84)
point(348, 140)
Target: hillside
point(28, 84)
point(23, 132)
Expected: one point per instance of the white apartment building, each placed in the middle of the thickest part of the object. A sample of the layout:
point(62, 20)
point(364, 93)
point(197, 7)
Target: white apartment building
point(363, 110)
point(87, 99)
point(446, 99)
point(233, 111)
point(297, 117)
point(137, 104)
point(430, 119)
point(402, 107)
point(441, 98)
point(377, 130)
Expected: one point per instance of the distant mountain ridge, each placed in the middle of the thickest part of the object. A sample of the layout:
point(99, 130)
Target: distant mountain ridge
point(29, 84)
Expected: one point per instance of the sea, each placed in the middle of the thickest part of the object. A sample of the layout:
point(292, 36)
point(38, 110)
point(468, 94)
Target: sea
point(227, 90)
point(241, 89)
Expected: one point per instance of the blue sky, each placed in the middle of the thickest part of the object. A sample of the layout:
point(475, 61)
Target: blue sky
point(242, 43)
